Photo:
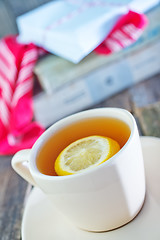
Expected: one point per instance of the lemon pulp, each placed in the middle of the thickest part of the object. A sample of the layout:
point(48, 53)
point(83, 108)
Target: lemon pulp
point(85, 153)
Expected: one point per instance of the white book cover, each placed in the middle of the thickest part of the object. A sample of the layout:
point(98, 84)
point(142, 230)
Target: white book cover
point(72, 31)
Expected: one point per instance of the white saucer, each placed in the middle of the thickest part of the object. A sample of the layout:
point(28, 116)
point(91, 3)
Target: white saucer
point(42, 222)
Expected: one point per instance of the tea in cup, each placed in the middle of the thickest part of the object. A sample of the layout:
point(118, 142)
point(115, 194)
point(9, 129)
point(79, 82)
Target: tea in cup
point(98, 199)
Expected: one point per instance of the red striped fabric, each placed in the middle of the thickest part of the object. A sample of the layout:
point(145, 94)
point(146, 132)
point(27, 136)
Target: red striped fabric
point(18, 130)
point(126, 31)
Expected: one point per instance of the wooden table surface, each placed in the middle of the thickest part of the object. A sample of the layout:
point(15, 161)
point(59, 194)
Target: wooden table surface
point(143, 100)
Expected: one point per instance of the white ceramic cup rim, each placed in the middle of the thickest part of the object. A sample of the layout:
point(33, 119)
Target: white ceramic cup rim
point(41, 141)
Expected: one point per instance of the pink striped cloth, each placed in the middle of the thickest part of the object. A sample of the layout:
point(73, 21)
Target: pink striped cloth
point(126, 31)
point(17, 128)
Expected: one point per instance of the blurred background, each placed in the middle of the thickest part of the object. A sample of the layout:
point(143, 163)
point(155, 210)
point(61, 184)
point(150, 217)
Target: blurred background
point(62, 87)
point(10, 10)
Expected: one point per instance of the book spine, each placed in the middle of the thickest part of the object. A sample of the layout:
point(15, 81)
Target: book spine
point(97, 86)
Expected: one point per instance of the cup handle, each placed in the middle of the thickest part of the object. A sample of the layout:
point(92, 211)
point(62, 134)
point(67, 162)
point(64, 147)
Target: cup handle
point(20, 163)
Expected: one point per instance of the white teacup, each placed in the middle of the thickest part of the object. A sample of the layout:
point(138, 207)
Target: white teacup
point(99, 199)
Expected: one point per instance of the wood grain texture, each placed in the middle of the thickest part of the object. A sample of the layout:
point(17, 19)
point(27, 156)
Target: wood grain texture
point(146, 92)
point(149, 119)
point(145, 105)
point(120, 100)
point(12, 195)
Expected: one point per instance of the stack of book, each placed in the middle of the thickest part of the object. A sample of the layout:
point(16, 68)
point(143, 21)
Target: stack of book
point(69, 87)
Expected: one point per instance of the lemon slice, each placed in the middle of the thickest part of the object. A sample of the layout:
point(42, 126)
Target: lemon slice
point(85, 153)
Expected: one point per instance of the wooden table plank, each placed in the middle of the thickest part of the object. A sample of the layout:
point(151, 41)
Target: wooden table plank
point(141, 94)
point(146, 92)
point(120, 100)
point(145, 104)
point(149, 119)
point(12, 195)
